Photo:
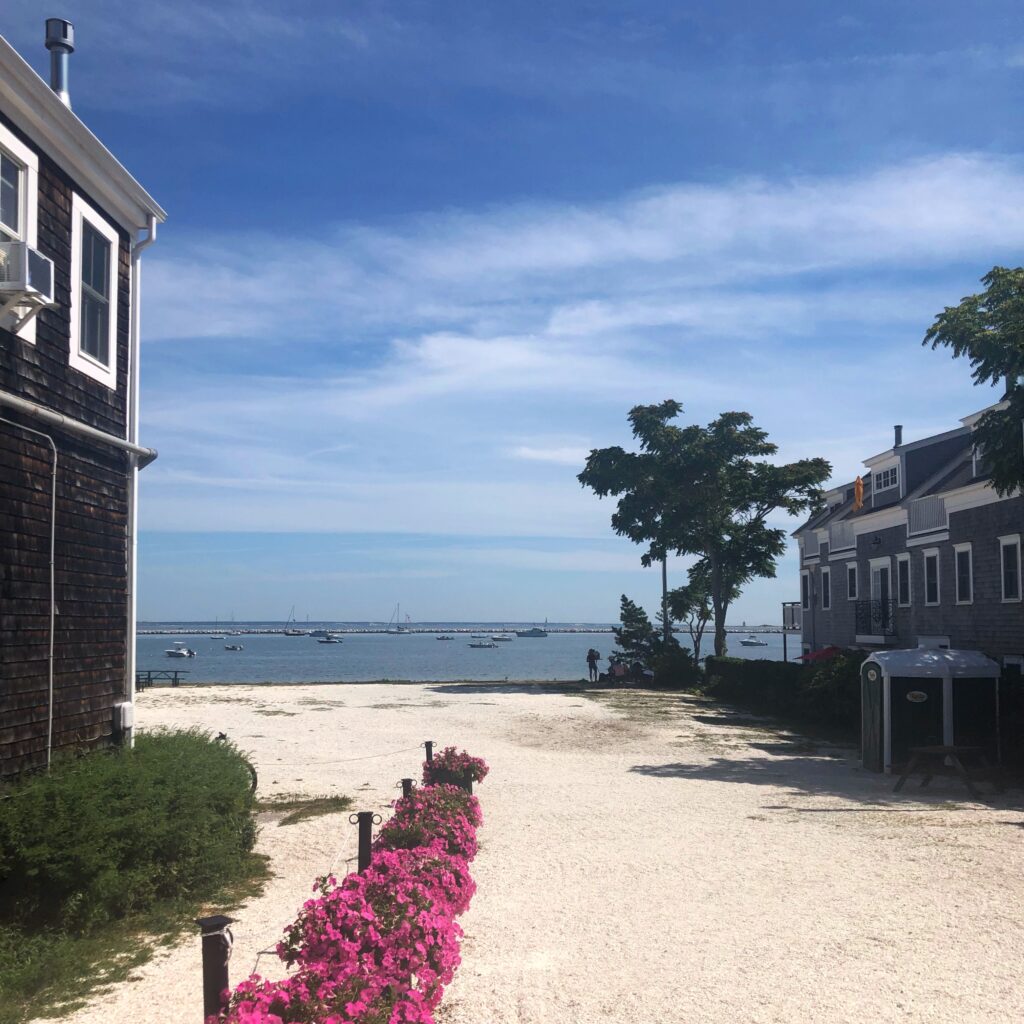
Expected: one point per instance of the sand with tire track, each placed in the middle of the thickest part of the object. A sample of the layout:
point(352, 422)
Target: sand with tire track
point(644, 858)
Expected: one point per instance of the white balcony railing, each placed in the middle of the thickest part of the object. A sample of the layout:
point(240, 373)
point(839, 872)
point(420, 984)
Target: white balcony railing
point(841, 537)
point(927, 514)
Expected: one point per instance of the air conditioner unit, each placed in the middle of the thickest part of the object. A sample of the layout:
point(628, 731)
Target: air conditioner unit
point(26, 281)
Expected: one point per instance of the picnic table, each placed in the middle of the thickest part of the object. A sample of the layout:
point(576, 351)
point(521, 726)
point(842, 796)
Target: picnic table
point(144, 678)
point(930, 760)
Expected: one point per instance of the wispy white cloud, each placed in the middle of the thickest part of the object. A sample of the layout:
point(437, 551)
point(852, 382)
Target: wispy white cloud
point(560, 456)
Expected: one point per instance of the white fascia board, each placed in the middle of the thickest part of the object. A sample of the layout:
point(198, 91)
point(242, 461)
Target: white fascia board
point(974, 496)
point(36, 109)
point(883, 519)
point(888, 455)
point(969, 421)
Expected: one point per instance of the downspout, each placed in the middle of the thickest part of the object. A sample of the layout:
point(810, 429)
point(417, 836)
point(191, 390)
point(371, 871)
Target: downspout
point(53, 580)
point(138, 246)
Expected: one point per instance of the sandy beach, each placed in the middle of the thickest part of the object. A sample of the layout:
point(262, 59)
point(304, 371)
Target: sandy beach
point(645, 857)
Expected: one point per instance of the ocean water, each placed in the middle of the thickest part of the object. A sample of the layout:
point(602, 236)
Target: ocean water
point(418, 657)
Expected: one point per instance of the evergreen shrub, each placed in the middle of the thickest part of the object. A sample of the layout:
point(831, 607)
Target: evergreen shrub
point(111, 834)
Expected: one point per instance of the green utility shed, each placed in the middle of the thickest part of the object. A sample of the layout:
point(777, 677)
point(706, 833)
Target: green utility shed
point(926, 697)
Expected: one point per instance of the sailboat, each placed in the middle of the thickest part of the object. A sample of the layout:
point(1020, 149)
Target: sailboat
point(395, 626)
point(290, 622)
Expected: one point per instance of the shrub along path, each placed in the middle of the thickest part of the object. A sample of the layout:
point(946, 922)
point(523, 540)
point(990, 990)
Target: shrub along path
point(644, 857)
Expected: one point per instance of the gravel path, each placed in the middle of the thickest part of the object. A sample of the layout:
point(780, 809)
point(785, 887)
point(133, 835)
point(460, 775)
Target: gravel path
point(644, 858)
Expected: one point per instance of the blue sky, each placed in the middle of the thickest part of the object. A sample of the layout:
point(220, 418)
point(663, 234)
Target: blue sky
point(422, 257)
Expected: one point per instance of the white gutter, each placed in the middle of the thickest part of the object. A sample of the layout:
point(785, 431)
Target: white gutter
point(134, 346)
point(73, 426)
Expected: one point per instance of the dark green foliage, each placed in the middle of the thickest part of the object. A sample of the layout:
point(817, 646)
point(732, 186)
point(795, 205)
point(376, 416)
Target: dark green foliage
point(111, 843)
point(635, 636)
point(830, 691)
point(674, 667)
point(988, 328)
point(825, 693)
point(112, 833)
point(704, 491)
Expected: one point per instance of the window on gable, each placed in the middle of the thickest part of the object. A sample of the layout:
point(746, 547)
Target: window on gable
point(964, 574)
point(11, 193)
point(94, 256)
point(931, 577)
point(887, 478)
point(1009, 557)
point(94, 339)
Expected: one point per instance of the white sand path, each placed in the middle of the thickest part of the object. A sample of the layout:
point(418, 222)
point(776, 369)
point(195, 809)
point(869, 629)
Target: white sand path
point(645, 858)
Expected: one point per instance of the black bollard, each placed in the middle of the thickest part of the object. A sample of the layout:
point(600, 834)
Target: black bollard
point(217, 940)
point(365, 820)
point(406, 787)
point(430, 749)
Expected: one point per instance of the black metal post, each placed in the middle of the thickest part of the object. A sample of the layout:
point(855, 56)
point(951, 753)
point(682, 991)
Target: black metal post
point(217, 941)
point(365, 820)
point(430, 749)
point(406, 787)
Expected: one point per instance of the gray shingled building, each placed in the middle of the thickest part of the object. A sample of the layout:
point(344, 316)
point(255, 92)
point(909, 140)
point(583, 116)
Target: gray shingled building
point(932, 557)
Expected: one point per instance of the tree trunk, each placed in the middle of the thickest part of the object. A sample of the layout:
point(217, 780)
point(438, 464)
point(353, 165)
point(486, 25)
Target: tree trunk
point(719, 606)
point(666, 622)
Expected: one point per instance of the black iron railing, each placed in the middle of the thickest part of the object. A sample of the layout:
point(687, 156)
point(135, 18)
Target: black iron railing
point(876, 617)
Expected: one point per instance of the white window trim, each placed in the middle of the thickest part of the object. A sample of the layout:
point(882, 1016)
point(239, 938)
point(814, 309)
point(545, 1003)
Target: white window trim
point(904, 559)
point(957, 549)
point(856, 581)
point(933, 642)
point(826, 589)
point(809, 604)
point(30, 207)
point(925, 555)
point(82, 211)
point(893, 467)
point(1004, 543)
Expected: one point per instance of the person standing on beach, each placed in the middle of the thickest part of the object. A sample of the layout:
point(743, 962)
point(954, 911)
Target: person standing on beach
point(592, 659)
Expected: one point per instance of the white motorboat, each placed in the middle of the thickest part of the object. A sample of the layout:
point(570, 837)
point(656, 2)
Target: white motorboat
point(233, 647)
point(487, 644)
point(179, 650)
point(218, 638)
point(329, 640)
point(753, 641)
point(501, 639)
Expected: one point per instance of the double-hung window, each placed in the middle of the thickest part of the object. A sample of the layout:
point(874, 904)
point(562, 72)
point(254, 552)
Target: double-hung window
point(94, 254)
point(903, 580)
point(964, 563)
point(1009, 565)
point(19, 175)
point(805, 590)
point(826, 589)
point(931, 576)
point(851, 581)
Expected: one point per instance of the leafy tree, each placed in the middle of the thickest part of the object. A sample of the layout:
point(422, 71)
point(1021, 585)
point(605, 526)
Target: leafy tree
point(691, 604)
point(988, 328)
point(705, 491)
point(635, 637)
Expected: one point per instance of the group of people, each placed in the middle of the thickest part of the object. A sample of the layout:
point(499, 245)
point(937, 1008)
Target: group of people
point(618, 670)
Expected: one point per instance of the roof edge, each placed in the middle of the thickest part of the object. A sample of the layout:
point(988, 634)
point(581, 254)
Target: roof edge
point(33, 106)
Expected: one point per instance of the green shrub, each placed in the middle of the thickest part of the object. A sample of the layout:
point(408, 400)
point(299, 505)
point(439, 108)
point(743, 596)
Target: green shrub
point(761, 685)
point(111, 834)
point(675, 668)
point(830, 691)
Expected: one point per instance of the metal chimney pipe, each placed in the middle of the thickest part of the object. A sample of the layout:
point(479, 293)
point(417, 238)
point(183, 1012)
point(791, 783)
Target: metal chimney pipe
point(60, 41)
point(898, 430)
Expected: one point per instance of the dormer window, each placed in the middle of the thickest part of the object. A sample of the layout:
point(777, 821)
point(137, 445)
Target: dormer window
point(887, 478)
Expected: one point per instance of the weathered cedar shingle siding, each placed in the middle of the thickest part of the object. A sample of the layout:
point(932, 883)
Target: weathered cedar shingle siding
point(92, 517)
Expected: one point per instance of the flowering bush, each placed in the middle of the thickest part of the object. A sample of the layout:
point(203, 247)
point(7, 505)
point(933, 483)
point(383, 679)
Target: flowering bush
point(457, 762)
point(380, 947)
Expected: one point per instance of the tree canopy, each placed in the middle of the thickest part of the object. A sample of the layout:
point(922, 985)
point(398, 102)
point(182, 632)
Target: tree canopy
point(705, 491)
point(988, 328)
